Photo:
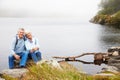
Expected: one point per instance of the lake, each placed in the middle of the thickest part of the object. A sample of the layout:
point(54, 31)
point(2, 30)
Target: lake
point(61, 37)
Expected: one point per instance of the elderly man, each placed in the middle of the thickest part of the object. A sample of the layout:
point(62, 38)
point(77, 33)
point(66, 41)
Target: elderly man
point(32, 46)
point(18, 50)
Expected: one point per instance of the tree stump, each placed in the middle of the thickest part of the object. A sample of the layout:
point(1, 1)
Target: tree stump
point(98, 56)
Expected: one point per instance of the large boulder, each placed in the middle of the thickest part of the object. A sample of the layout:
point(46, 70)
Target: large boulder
point(112, 69)
point(1, 78)
point(114, 61)
point(15, 73)
point(52, 63)
point(114, 51)
point(114, 54)
point(20, 72)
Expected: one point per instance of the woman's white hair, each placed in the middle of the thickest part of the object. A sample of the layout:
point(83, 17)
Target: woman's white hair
point(27, 32)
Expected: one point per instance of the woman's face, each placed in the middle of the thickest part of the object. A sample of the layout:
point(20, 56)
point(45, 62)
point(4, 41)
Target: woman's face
point(29, 36)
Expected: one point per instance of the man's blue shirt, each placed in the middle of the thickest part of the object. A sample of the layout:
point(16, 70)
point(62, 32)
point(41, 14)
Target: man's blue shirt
point(19, 47)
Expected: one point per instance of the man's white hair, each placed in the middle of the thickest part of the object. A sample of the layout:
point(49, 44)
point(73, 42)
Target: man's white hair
point(21, 29)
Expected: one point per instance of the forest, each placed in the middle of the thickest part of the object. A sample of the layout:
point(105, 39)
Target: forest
point(109, 13)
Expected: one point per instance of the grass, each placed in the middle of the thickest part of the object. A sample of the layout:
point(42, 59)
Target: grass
point(6, 77)
point(68, 72)
point(46, 72)
point(117, 77)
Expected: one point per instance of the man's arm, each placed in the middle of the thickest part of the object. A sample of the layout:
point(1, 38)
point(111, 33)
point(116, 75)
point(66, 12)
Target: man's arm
point(13, 45)
point(13, 49)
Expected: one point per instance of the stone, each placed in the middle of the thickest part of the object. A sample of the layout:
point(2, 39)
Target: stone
point(2, 79)
point(15, 73)
point(20, 72)
point(114, 61)
point(52, 62)
point(114, 51)
point(105, 74)
point(112, 69)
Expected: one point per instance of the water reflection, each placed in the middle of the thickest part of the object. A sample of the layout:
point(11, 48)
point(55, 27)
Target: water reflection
point(61, 37)
point(95, 62)
point(109, 37)
point(99, 62)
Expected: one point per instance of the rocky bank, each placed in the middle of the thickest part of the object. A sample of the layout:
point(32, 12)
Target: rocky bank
point(113, 65)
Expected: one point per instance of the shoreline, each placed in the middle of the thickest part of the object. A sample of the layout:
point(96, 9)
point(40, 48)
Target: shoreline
point(21, 73)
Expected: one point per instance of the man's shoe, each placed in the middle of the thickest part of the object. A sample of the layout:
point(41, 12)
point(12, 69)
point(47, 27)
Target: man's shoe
point(23, 67)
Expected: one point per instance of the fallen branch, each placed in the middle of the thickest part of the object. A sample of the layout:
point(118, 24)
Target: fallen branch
point(97, 56)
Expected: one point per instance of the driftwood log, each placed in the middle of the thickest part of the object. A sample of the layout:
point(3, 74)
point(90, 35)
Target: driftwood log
point(113, 51)
point(111, 58)
point(97, 56)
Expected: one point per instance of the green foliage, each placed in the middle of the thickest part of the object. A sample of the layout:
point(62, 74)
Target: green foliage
point(109, 6)
point(101, 19)
point(115, 20)
point(106, 11)
point(118, 14)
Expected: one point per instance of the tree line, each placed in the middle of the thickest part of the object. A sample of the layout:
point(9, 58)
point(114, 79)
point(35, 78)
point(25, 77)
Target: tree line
point(109, 7)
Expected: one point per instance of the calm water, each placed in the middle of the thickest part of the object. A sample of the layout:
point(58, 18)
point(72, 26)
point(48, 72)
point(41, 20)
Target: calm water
point(61, 37)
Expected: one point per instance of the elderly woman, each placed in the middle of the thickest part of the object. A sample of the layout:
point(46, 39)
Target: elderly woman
point(32, 46)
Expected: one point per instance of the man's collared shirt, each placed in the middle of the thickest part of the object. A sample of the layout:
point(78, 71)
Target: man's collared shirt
point(19, 47)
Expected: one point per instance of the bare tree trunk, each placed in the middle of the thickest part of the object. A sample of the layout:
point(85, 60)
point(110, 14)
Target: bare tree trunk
point(97, 56)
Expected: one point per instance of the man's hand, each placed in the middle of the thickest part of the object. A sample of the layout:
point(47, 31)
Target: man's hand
point(17, 57)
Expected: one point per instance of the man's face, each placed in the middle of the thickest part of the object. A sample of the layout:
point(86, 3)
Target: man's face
point(20, 33)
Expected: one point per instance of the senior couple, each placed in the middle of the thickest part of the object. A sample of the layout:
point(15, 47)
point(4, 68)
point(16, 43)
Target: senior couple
point(24, 44)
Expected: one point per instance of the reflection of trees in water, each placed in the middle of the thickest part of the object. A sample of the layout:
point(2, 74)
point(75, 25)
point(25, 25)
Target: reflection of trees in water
point(109, 36)
point(111, 39)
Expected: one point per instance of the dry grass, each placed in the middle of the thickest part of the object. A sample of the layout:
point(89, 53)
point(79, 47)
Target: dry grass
point(68, 72)
point(46, 72)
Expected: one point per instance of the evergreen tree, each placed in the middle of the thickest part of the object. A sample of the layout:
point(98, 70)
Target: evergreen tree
point(109, 6)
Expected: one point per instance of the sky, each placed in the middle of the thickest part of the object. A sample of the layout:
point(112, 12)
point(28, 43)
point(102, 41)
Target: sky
point(48, 8)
